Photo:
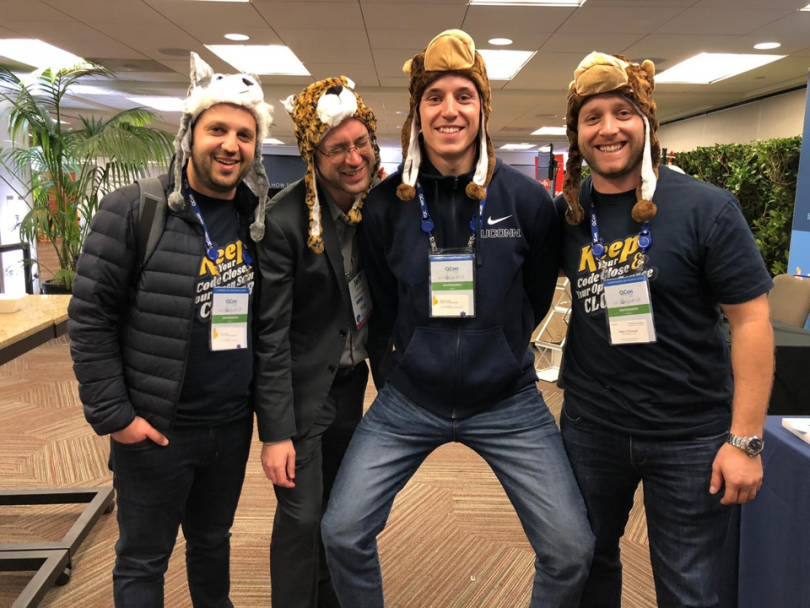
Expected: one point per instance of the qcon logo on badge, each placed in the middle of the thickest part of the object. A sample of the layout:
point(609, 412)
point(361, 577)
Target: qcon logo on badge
point(625, 292)
point(451, 268)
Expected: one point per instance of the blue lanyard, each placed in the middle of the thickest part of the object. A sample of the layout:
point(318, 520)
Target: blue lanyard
point(211, 250)
point(598, 246)
point(428, 225)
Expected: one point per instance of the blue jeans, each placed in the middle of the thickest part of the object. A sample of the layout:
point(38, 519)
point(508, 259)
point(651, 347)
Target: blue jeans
point(517, 437)
point(686, 525)
point(195, 481)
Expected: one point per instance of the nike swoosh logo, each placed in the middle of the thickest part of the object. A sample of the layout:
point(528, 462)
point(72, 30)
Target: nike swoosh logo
point(492, 222)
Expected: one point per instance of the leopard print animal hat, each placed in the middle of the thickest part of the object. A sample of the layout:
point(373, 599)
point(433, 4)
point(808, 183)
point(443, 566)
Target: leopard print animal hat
point(599, 73)
point(320, 107)
point(451, 52)
point(208, 89)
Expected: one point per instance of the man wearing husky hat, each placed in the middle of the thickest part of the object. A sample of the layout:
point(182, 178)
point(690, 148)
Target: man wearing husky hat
point(654, 258)
point(311, 373)
point(461, 252)
point(163, 347)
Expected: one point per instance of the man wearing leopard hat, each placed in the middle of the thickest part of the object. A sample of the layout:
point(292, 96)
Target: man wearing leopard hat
point(461, 252)
point(655, 258)
point(313, 326)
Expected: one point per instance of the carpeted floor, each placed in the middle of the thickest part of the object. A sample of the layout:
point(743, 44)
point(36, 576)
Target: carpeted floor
point(453, 540)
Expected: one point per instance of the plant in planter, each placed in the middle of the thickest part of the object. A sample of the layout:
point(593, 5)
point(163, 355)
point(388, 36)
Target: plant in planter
point(64, 173)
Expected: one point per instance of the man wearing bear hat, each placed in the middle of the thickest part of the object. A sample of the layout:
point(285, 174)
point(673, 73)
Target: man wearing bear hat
point(160, 368)
point(654, 258)
point(461, 255)
point(311, 373)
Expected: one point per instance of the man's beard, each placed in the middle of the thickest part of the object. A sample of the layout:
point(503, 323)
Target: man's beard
point(205, 173)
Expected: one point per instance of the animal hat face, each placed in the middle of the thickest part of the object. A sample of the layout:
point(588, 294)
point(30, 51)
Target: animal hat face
point(451, 52)
point(208, 89)
point(320, 107)
point(597, 74)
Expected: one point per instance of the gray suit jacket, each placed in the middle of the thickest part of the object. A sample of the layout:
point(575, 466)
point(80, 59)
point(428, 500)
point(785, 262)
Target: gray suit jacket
point(304, 315)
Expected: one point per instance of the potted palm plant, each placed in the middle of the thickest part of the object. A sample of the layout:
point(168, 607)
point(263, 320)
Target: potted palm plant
point(63, 173)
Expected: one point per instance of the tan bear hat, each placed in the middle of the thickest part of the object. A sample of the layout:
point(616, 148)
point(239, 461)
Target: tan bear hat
point(320, 107)
point(451, 52)
point(599, 73)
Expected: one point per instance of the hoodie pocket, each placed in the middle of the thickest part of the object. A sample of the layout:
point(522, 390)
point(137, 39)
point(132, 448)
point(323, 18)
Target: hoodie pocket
point(428, 361)
point(487, 365)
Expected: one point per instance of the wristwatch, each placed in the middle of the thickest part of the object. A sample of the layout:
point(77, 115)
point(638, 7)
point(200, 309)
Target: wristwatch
point(750, 445)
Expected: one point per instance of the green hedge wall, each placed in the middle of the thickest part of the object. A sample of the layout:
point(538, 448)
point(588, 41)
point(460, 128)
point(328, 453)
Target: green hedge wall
point(763, 176)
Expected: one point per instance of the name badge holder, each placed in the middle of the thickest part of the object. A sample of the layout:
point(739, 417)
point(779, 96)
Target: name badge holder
point(451, 271)
point(628, 303)
point(361, 298)
point(229, 318)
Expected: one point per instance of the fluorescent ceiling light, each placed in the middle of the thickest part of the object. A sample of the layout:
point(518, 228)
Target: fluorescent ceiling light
point(270, 60)
point(806, 8)
point(544, 149)
point(500, 41)
point(163, 104)
point(272, 141)
point(237, 37)
point(767, 46)
point(83, 89)
point(37, 53)
point(573, 3)
point(708, 68)
point(550, 131)
point(517, 146)
point(504, 65)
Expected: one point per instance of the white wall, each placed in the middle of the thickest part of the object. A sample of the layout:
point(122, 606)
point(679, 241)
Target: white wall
point(778, 116)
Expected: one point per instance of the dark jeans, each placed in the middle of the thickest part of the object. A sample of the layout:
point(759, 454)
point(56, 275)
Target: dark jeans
point(300, 576)
point(686, 525)
point(517, 437)
point(194, 481)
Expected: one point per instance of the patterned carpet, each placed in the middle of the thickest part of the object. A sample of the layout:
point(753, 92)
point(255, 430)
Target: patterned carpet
point(453, 540)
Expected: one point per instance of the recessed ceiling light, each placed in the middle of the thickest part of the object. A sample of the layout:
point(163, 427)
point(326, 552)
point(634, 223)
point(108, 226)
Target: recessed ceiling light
point(707, 68)
point(767, 46)
point(517, 146)
point(505, 65)
point(272, 141)
point(237, 37)
point(163, 104)
point(270, 59)
point(550, 131)
point(37, 53)
point(401, 113)
point(500, 41)
point(573, 3)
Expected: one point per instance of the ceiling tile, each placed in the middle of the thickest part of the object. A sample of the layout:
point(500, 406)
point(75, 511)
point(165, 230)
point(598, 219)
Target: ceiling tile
point(502, 21)
point(311, 15)
point(737, 4)
point(434, 18)
point(321, 45)
point(597, 20)
point(549, 71)
point(720, 21)
point(401, 82)
point(389, 62)
point(667, 50)
point(400, 39)
point(793, 32)
point(362, 75)
point(577, 43)
point(230, 14)
point(521, 40)
point(214, 33)
point(76, 38)
point(107, 11)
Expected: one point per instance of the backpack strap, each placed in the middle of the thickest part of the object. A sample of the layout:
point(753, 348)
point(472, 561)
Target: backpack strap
point(151, 218)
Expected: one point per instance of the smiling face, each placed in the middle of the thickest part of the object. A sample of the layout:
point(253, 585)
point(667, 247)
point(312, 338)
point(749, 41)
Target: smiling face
point(223, 149)
point(344, 160)
point(611, 140)
point(450, 113)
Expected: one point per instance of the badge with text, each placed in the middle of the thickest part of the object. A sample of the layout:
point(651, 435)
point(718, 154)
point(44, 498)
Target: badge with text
point(361, 298)
point(629, 310)
point(452, 285)
point(229, 318)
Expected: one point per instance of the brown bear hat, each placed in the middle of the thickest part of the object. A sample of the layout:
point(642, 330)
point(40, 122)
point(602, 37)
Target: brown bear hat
point(320, 107)
point(599, 73)
point(451, 52)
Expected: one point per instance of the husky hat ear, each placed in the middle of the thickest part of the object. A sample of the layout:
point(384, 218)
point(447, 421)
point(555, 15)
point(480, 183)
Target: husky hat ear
point(599, 73)
point(208, 89)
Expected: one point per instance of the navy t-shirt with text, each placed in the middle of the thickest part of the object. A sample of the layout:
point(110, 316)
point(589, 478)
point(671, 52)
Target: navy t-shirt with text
point(703, 254)
point(216, 387)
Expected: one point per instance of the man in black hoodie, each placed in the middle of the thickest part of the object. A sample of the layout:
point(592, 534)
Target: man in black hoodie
point(460, 297)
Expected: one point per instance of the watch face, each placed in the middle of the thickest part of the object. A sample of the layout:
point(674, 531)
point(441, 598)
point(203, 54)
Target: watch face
point(755, 445)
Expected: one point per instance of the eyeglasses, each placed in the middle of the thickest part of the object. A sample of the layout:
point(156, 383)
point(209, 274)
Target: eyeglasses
point(341, 153)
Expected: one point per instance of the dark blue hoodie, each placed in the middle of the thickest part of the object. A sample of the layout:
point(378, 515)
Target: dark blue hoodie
point(457, 367)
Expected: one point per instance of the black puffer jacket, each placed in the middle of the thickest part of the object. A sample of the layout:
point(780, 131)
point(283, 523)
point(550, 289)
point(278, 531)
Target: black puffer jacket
point(129, 330)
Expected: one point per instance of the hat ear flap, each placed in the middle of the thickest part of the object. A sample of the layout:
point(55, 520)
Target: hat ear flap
point(289, 104)
point(201, 72)
point(407, 67)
